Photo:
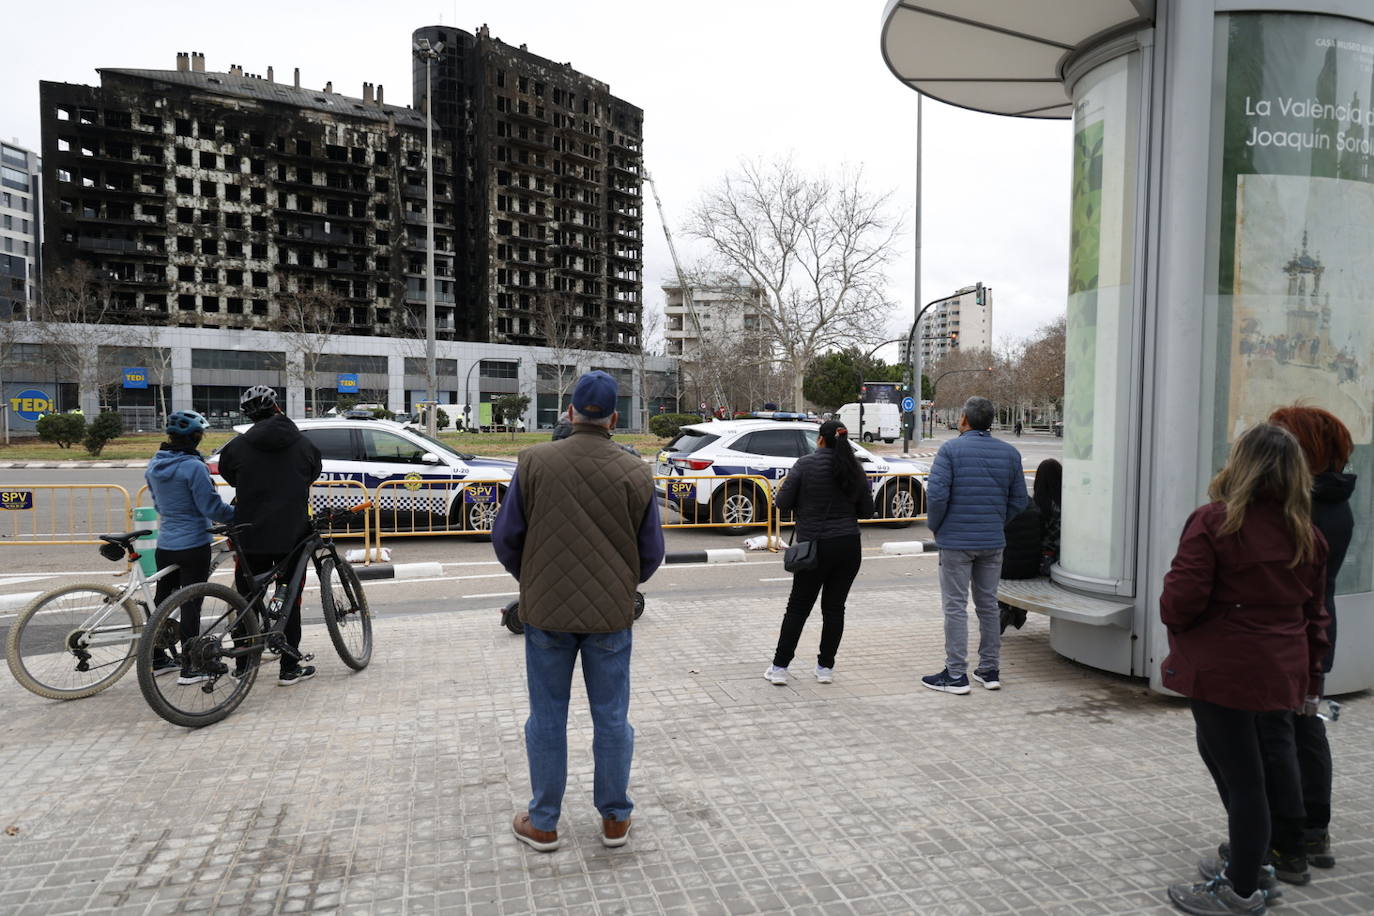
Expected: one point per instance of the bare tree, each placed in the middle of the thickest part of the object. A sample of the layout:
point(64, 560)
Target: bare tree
point(565, 341)
point(74, 318)
point(1043, 365)
point(305, 320)
point(818, 248)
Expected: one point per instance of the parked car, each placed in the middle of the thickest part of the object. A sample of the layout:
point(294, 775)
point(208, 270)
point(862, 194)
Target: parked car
point(765, 449)
point(465, 495)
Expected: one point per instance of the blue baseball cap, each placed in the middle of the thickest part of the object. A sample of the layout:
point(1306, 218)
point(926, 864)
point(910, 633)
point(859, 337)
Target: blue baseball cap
point(594, 395)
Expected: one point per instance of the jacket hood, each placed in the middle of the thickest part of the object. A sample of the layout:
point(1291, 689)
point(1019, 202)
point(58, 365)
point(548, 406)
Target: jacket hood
point(276, 433)
point(167, 464)
point(1332, 487)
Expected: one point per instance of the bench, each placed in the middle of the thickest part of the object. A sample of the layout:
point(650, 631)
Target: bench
point(1044, 596)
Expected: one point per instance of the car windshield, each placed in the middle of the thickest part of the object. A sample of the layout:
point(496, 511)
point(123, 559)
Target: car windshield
point(689, 441)
point(442, 447)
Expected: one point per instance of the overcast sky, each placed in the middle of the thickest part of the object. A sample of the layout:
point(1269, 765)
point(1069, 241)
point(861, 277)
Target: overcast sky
point(718, 80)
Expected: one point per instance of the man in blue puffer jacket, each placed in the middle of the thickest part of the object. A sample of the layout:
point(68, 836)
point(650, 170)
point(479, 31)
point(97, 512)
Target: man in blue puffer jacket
point(975, 485)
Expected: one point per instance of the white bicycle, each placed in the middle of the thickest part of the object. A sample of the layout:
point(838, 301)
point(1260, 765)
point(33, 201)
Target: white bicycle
point(75, 640)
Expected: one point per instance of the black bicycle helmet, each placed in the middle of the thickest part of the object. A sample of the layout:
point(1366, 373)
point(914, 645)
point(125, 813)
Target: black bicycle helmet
point(258, 402)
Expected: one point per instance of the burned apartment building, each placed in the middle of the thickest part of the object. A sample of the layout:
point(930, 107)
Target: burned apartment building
point(205, 199)
point(547, 212)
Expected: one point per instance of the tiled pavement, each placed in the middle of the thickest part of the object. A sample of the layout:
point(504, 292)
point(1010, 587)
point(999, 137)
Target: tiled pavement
point(391, 791)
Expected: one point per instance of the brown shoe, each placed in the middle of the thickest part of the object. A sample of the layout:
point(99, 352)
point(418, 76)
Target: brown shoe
point(615, 833)
point(527, 833)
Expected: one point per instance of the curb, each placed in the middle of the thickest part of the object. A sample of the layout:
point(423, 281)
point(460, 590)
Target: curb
point(728, 555)
point(70, 465)
point(400, 571)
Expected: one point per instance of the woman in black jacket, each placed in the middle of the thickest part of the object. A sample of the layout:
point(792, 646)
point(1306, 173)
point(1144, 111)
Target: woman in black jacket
point(830, 493)
point(1033, 536)
point(1297, 754)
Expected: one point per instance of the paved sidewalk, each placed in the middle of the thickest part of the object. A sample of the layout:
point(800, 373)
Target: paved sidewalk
point(391, 791)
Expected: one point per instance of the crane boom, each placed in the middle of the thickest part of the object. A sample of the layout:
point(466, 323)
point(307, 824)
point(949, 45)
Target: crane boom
point(687, 295)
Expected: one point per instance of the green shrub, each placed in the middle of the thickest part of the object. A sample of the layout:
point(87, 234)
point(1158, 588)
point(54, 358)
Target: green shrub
point(61, 428)
point(103, 428)
point(667, 425)
point(381, 413)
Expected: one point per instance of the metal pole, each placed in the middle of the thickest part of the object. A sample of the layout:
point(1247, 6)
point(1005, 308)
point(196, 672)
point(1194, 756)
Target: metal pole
point(431, 386)
point(913, 344)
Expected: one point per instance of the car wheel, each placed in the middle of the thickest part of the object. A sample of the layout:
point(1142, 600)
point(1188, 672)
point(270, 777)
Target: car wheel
point(477, 518)
point(901, 499)
point(738, 509)
point(868, 437)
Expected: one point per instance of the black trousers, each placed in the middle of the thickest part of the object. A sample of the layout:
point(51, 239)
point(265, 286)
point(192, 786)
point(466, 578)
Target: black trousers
point(1228, 740)
point(1297, 769)
point(193, 566)
point(836, 569)
point(260, 563)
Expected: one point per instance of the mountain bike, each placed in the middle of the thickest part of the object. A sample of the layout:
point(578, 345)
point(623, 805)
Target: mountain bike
point(237, 629)
point(76, 640)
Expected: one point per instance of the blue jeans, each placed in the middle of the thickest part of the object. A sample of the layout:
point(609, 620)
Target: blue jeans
point(549, 660)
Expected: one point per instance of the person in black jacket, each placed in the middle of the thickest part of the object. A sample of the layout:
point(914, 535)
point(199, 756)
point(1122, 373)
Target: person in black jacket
point(1033, 536)
point(271, 468)
point(1297, 755)
point(829, 492)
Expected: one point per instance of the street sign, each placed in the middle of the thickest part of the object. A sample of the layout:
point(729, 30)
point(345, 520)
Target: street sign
point(908, 404)
point(16, 499)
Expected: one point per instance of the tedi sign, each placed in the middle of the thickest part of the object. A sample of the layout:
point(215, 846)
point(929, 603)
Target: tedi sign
point(32, 403)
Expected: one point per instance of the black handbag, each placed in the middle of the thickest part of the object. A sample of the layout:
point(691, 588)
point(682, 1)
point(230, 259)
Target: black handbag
point(801, 556)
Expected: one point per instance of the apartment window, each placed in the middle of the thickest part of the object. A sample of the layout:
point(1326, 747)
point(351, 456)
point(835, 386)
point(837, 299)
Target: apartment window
point(208, 160)
point(303, 147)
point(259, 279)
point(232, 192)
point(383, 237)
point(494, 368)
point(233, 249)
point(233, 221)
point(186, 273)
point(259, 306)
point(186, 244)
point(186, 302)
point(259, 223)
point(184, 186)
point(233, 277)
point(260, 251)
point(183, 127)
point(234, 305)
point(257, 196)
point(210, 304)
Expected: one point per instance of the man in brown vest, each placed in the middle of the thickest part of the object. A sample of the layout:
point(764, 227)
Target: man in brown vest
point(579, 529)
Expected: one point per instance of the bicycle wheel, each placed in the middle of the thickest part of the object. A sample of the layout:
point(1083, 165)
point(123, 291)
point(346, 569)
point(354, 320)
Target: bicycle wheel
point(73, 641)
point(346, 614)
point(226, 623)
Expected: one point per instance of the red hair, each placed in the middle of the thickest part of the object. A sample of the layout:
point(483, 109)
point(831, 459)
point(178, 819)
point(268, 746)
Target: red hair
point(1324, 439)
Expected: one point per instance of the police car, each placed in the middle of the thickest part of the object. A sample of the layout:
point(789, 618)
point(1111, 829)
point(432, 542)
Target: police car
point(433, 484)
point(765, 448)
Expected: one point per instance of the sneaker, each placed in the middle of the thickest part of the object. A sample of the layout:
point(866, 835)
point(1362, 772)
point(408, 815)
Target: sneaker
point(825, 675)
point(946, 683)
point(164, 664)
point(776, 675)
point(534, 838)
point(296, 675)
point(1216, 898)
point(1212, 866)
point(1289, 868)
point(615, 833)
point(1317, 843)
point(988, 678)
point(189, 677)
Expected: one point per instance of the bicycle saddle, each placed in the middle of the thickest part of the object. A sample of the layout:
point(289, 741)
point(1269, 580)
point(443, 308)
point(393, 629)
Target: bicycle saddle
point(123, 540)
point(230, 530)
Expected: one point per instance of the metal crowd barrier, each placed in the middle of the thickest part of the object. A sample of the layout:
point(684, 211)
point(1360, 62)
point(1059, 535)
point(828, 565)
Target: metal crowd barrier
point(463, 507)
point(734, 502)
point(40, 514)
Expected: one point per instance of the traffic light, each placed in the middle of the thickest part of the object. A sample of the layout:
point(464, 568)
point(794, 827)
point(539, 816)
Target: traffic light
point(980, 294)
point(954, 338)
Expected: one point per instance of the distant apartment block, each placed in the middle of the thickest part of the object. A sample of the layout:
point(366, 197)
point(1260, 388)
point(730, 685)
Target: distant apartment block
point(20, 229)
point(958, 323)
point(724, 310)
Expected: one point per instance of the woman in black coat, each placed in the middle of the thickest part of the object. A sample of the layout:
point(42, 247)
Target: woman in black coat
point(1033, 536)
point(829, 492)
point(1297, 754)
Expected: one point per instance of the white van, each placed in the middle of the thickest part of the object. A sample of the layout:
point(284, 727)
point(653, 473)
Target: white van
point(880, 421)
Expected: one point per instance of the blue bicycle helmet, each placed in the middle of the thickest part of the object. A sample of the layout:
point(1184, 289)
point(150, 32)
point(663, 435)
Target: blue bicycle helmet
point(187, 423)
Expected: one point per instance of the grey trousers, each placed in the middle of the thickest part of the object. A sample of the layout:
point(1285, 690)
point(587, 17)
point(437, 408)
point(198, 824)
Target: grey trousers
point(982, 569)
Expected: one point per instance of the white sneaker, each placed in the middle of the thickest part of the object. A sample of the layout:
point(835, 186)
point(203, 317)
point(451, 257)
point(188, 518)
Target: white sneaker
point(825, 675)
point(776, 675)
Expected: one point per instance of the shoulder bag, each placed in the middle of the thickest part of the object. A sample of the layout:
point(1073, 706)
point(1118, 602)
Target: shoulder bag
point(803, 556)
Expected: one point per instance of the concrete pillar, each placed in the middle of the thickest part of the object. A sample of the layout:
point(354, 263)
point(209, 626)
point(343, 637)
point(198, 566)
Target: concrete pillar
point(396, 382)
point(181, 377)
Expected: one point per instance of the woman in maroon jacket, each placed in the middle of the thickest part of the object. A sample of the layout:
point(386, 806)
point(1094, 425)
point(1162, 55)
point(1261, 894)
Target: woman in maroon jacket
point(1244, 604)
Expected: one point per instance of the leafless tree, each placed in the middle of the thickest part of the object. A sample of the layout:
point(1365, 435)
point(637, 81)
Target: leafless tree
point(818, 247)
point(1043, 365)
point(306, 320)
point(565, 341)
point(73, 319)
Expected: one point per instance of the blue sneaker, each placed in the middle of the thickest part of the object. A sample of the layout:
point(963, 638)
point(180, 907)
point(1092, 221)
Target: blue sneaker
point(945, 683)
point(988, 678)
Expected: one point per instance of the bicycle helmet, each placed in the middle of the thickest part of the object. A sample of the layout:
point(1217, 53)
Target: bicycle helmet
point(186, 423)
point(258, 402)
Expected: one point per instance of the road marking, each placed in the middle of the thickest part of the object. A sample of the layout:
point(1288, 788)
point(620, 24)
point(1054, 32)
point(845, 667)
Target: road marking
point(490, 595)
point(778, 579)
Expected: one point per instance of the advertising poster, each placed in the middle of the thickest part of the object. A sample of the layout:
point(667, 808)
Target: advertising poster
point(1295, 292)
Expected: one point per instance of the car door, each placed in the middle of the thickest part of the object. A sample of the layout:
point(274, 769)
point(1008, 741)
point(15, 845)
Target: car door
point(772, 452)
point(399, 462)
point(340, 460)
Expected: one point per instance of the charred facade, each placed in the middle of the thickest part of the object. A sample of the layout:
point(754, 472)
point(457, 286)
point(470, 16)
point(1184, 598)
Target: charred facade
point(548, 220)
point(202, 198)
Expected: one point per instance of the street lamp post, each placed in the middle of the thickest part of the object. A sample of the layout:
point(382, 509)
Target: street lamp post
point(429, 53)
point(914, 354)
point(467, 388)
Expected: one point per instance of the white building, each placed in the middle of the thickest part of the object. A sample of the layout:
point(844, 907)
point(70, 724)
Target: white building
point(724, 310)
point(957, 323)
point(20, 219)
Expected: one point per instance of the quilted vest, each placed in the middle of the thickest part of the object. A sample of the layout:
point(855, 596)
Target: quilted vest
point(584, 500)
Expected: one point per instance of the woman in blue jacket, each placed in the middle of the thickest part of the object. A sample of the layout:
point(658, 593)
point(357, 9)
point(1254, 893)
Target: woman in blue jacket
point(187, 504)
